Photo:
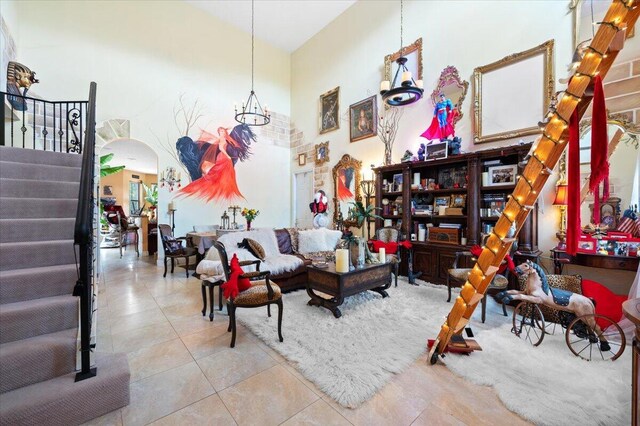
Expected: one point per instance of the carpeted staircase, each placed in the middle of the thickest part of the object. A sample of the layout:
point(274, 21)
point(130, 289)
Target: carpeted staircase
point(38, 314)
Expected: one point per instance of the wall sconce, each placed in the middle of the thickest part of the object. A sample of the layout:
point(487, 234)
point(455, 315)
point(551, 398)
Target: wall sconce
point(561, 201)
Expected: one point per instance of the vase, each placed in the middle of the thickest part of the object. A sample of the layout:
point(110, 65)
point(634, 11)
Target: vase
point(357, 253)
point(248, 225)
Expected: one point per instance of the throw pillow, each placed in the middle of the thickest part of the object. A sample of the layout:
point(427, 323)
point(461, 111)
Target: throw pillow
point(253, 246)
point(173, 246)
point(390, 248)
point(235, 285)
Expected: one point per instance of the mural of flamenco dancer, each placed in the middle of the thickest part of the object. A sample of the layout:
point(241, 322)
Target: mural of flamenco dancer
point(442, 124)
point(345, 180)
point(211, 162)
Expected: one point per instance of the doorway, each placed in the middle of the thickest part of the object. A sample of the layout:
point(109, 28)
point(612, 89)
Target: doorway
point(303, 195)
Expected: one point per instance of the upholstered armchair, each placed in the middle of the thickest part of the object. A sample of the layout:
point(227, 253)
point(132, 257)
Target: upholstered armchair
point(458, 275)
point(261, 293)
point(174, 249)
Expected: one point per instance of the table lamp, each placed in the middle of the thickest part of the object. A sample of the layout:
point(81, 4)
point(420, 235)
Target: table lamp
point(561, 201)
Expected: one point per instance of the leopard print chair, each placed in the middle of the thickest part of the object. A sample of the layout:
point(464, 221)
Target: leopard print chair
point(389, 234)
point(261, 293)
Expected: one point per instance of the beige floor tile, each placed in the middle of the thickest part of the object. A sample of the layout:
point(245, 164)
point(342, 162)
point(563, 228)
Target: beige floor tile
point(158, 289)
point(433, 415)
point(136, 320)
point(290, 366)
point(162, 394)
point(113, 418)
point(272, 352)
point(180, 299)
point(132, 308)
point(158, 358)
point(317, 414)
point(129, 341)
point(192, 324)
point(212, 340)
point(208, 411)
point(268, 398)
point(104, 342)
point(230, 366)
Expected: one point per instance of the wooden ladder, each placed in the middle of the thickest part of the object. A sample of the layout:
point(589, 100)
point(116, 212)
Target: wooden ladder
point(543, 157)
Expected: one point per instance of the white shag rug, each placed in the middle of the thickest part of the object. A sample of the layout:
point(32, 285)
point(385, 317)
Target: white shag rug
point(352, 357)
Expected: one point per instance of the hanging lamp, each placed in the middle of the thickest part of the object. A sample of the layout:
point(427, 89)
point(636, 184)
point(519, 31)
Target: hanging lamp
point(252, 113)
point(404, 90)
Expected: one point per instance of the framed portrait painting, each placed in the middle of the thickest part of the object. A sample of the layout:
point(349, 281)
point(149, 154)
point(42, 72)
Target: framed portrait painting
point(322, 153)
point(330, 110)
point(502, 175)
point(363, 119)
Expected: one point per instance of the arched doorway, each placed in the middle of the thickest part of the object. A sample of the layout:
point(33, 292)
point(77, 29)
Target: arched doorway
point(129, 187)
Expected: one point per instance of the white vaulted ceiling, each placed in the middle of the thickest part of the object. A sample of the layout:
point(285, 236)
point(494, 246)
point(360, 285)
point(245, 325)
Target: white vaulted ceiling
point(284, 24)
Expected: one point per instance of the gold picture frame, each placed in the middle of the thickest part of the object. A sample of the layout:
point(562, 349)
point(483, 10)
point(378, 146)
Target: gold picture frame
point(302, 159)
point(458, 200)
point(322, 153)
point(329, 119)
point(346, 163)
point(450, 77)
point(495, 130)
point(407, 51)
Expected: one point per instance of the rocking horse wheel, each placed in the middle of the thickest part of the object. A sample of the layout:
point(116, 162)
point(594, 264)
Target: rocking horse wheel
point(528, 323)
point(595, 337)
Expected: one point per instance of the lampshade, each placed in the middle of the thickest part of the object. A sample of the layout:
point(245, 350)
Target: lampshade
point(561, 195)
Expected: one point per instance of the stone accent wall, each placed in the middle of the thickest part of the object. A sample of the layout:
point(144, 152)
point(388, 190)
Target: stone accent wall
point(321, 173)
point(276, 132)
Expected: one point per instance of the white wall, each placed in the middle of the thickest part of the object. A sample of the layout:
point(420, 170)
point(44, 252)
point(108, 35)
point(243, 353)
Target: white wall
point(350, 52)
point(143, 55)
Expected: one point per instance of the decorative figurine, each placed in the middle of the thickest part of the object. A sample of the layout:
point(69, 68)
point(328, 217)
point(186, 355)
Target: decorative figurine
point(442, 124)
point(407, 157)
point(454, 146)
point(319, 209)
point(421, 152)
point(19, 77)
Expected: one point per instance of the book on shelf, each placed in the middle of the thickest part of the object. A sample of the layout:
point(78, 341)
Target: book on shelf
point(450, 225)
point(489, 163)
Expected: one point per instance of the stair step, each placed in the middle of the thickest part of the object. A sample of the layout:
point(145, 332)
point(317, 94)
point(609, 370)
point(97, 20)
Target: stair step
point(33, 254)
point(13, 170)
point(32, 156)
point(11, 207)
point(29, 318)
point(15, 230)
point(25, 188)
point(35, 283)
point(63, 401)
point(37, 359)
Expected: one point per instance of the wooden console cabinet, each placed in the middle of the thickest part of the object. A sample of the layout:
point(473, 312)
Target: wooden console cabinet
point(458, 177)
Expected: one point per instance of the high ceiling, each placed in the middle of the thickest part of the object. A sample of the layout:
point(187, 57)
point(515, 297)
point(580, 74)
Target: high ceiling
point(134, 155)
point(284, 24)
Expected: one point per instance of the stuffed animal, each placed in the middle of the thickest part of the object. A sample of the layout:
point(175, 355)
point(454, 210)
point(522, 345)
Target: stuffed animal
point(235, 285)
point(454, 146)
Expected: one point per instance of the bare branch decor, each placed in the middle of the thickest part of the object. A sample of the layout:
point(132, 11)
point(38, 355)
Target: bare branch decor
point(387, 130)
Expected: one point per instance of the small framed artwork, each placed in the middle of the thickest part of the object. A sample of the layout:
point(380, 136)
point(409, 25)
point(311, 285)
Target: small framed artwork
point(108, 190)
point(441, 201)
point(329, 110)
point(459, 200)
point(435, 151)
point(587, 246)
point(502, 175)
point(302, 159)
point(363, 119)
point(397, 182)
point(322, 153)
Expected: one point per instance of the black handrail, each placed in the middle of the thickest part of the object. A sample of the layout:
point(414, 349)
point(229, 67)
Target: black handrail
point(83, 237)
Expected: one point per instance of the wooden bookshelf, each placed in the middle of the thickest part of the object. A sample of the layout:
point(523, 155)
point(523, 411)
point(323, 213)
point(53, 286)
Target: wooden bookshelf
point(456, 175)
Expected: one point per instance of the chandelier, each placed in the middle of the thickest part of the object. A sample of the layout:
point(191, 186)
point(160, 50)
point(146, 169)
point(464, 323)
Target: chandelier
point(252, 113)
point(170, 178)
point(407, 90)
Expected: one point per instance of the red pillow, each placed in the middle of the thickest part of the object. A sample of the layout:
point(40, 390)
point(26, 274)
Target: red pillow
point(390, 248)
point(235, 284)
point(608, 303)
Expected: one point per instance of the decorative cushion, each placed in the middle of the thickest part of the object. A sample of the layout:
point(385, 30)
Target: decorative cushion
point(254, 247)
point(314, 240)
point(293, 234)
point(173, 246)
point(284, 241)
point(460, 274)
point(258, 294)
point(390, 248)
point(235, 284)
point(499, 282)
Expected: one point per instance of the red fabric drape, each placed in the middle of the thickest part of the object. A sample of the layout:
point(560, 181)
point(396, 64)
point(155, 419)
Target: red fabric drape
point(573, 189)
point(599, 148)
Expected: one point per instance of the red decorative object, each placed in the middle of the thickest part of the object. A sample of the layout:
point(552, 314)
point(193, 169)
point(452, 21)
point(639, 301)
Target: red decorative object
point(507, 263)
point(608, 304)
point(390, 247)
point(573, 167)
point(235, 285)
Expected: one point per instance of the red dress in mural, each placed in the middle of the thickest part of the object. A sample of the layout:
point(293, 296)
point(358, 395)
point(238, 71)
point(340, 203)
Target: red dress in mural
point(345, 177)
point(210, 162)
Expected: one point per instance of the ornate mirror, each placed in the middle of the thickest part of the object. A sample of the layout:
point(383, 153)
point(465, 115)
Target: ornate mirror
point(346, 187)
point(624, 160)
point(453, 88)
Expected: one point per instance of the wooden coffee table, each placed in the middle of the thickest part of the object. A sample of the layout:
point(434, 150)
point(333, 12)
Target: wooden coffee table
point(374, 277)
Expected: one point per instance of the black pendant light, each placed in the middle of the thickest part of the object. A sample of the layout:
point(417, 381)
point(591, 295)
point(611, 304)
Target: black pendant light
point(252, 112)
point(404, 90)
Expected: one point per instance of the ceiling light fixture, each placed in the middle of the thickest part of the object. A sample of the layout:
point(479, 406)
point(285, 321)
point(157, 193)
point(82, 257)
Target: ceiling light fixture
point(252, 113)
point(407, 90)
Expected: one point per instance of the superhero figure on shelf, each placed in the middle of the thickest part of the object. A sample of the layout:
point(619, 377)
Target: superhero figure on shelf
point(442, 124)
point(319, 209)
point(210, 161)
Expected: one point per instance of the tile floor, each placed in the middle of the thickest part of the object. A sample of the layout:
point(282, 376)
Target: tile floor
point(184, 373)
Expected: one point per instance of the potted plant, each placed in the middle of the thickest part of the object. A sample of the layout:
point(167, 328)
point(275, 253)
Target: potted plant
point(358, 247)
point(249, 215)
point(151, 197)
